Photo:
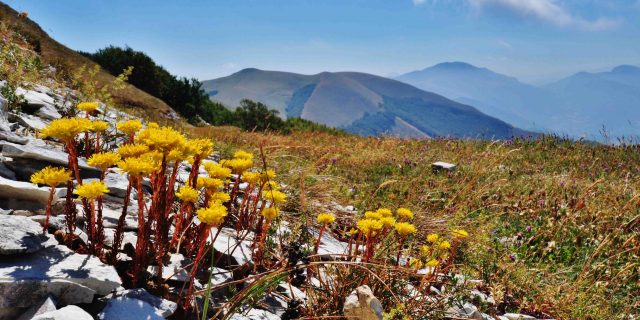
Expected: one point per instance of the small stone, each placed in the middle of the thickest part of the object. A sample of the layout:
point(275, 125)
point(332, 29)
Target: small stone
point(66, 313)
point(362, 304)
point(234, 252)
point(467, 311)
point(517, 316)
point(442, 166)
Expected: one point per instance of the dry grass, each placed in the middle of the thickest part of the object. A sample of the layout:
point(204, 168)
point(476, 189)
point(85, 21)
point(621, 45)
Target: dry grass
point(580, 258)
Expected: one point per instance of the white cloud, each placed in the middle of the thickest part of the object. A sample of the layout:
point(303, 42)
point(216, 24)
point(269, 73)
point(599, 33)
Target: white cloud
point(549, 11)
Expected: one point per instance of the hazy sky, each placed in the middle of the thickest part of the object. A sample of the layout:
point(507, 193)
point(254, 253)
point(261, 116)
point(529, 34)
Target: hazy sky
point(534, 40)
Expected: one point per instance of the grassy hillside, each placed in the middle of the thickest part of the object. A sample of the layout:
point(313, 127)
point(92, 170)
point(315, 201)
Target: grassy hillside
point(360, 103)
point(555, 225)
point(54, 53)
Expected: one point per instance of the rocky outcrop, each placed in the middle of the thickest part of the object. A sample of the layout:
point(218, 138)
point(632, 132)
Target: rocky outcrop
point(66, 313)
point(136, 304)
point(69, 277)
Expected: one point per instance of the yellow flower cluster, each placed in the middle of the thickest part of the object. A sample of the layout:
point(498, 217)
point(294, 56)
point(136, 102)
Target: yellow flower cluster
point(238, 165)
point(200, 147)
point(369, 226)
point(51, 176)
point(326, 218)
point(99, 126)
point(275, 196)
point(66, 129)
point(250, 177)
point(387, 222)
point(104, 160)
point(163, 139)
point(404, 214)
point(213, 215)
point(88, 106)
point(432, 238)
point(211, 184)
point(384, 212)
point(219, 197)
point(132, 150)
point(270, 213)
point(459, 233)
point(373, 215)
point(129, 127)
point(240, 154)
point(267, 175)
point(91, 190)
point(139, 166)
point(405, 229)
point(217, 171)
point(187, 194)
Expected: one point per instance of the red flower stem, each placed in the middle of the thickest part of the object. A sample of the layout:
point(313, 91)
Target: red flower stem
point(400, 250)
point(140, 243)
point(117, 236)
point(92, 226)
point(179, 221)
point(52, 191)
point(315, 250)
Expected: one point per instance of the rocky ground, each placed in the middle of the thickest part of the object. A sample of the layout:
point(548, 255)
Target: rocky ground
point(41, 279)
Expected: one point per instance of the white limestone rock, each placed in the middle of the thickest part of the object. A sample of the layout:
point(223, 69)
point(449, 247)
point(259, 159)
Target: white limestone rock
point(19, 234)
point(18, 190)
point(254, 314)
point(137, 304)
point(47, 305)
point(68, 276)
point(235, 252)
point(66, 313)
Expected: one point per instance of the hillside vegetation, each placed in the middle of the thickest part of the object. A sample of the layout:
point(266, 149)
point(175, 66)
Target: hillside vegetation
point(554, 223)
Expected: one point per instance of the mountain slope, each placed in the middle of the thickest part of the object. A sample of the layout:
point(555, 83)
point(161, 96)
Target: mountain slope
point(54, 53)
point(593, 101)
point(495, 94)
point(358, 102)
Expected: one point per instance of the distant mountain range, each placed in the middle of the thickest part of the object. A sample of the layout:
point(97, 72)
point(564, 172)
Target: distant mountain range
point(581, 105)
point(360, 103)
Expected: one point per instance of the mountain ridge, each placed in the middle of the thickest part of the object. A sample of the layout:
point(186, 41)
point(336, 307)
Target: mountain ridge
point(358, 102)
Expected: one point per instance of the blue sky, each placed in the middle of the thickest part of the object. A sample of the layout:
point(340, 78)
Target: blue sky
point(534, 40)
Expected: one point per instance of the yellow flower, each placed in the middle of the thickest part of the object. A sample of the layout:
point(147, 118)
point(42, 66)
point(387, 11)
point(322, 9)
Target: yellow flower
point(372, 215)
point(200, 147)
point(369, 226)
point(444, 245)
point(132, 150)
point(352, 231)
point(459, 233)
point(104, 160)
point(432, 238)
point(404, 214)
point(388, 222)
point(267, 175)
point(99, 126)
point(211, 184)
point(384, 212)
point(187, 194)
point(213, 215)
point(326, 218)
point(275, 196)
point(219, 197)
point(65, 129)
point(138, 167)
point(129, 127)
point(176, 155)
point(237, 165)
point(163, 139)
point(240, 154)
point(51, 176)
point(91, 190)
point(404, 229)
point(425, 250)
point(270, 213)
point(153, 125)
point(415, 263)
point(250, 177)
point(217, 171)
point(271, 185)
point(88, 106)
point(432, 263)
